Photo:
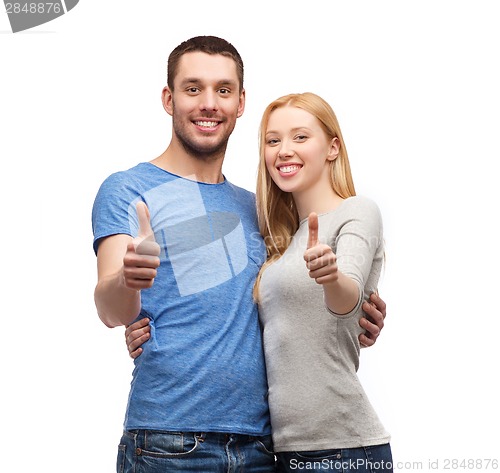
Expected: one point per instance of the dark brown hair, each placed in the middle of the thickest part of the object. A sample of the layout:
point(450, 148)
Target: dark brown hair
point(204, 44)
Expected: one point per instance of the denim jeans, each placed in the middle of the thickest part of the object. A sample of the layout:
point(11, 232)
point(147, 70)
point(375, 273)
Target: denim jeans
point(149, 451)
point(374, 459)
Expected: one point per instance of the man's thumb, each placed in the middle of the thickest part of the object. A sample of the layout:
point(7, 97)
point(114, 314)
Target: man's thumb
point(145, 230)
point(145, 243)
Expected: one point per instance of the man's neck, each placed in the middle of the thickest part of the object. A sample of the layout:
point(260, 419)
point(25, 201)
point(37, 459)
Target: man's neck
point(177, 161)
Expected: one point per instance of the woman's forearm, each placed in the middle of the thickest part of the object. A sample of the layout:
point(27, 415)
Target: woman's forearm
point(342, 295)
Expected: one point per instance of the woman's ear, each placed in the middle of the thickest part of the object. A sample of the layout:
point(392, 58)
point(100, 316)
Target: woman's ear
point(334, 150)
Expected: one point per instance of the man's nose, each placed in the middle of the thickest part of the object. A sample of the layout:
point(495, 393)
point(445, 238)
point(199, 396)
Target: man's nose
point(209, 100)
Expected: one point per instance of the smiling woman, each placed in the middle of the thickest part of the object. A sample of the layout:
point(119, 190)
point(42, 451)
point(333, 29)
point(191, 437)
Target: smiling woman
point(319, 271)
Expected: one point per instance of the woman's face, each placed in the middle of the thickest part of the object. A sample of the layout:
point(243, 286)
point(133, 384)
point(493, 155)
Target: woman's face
point(297, 151)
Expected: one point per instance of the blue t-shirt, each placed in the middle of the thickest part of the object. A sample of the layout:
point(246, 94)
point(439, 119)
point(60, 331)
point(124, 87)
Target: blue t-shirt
point(203, 367)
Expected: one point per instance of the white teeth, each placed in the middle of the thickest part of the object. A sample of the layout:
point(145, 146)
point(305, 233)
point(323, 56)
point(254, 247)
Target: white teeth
point(287, 169)
point(207, 124)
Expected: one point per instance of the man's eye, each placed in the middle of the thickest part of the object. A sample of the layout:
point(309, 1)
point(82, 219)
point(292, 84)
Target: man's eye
point(224, 91)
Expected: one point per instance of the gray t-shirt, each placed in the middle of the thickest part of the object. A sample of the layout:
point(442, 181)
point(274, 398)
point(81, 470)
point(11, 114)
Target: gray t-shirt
point(312, 355)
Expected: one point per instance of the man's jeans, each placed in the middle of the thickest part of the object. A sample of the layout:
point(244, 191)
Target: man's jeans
point(374, 459)
point(148, 451)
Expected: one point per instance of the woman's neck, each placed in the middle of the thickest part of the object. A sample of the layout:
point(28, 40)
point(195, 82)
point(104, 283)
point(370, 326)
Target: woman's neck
point(317, 200)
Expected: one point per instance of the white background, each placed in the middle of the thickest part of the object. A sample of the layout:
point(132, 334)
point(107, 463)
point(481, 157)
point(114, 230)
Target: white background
point(415, 88)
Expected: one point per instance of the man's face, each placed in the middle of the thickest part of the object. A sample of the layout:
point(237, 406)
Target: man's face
point(205, 103)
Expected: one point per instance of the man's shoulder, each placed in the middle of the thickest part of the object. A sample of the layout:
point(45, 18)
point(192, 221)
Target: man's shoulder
point(241, 190)
point(138, 170)
point(139, 177)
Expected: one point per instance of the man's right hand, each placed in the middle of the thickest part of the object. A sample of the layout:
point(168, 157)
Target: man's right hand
point(142, 257)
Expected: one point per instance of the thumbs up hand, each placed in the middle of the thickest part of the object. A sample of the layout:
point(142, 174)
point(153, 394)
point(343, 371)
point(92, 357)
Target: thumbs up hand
point(142, 257)
point(320, 259)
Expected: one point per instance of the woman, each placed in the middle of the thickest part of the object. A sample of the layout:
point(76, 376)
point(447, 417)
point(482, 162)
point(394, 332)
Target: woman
point(325, 253)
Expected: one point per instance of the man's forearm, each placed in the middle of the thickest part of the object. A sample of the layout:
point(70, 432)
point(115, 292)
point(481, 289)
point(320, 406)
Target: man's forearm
point(116, 303)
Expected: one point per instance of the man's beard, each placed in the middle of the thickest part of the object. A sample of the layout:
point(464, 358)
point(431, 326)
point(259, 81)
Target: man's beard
point(203, 153)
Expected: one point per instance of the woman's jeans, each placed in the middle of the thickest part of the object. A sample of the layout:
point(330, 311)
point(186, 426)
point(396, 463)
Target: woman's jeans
point(148, 451)
point(374, 459)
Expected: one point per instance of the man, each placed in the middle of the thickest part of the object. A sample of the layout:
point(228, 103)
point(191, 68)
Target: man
point(198, 396)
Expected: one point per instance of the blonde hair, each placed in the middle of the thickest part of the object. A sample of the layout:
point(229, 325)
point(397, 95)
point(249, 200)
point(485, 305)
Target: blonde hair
point(276, 211)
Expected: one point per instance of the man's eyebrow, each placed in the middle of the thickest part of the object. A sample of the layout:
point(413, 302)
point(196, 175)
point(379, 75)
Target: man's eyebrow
point(191, 80)
point(230, 82)
point(198, 81)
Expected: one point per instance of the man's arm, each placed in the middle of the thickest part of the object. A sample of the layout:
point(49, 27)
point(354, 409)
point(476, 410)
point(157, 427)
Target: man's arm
point(116, 303)
point(373, 323)
point(124, 267)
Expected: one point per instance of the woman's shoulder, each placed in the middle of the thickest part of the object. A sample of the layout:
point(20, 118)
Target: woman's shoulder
point(361, 203)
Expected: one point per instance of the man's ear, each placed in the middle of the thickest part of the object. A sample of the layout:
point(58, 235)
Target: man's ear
point(241, 105)
point(167, 100)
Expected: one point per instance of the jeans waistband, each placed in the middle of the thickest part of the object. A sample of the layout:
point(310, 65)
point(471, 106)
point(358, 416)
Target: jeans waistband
point(227, 436)
point(202, 436)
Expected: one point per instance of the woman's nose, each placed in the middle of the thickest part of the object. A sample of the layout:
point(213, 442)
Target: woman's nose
point(285, 151)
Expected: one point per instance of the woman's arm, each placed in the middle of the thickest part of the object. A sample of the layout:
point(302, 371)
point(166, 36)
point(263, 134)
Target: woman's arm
point(342, 293)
